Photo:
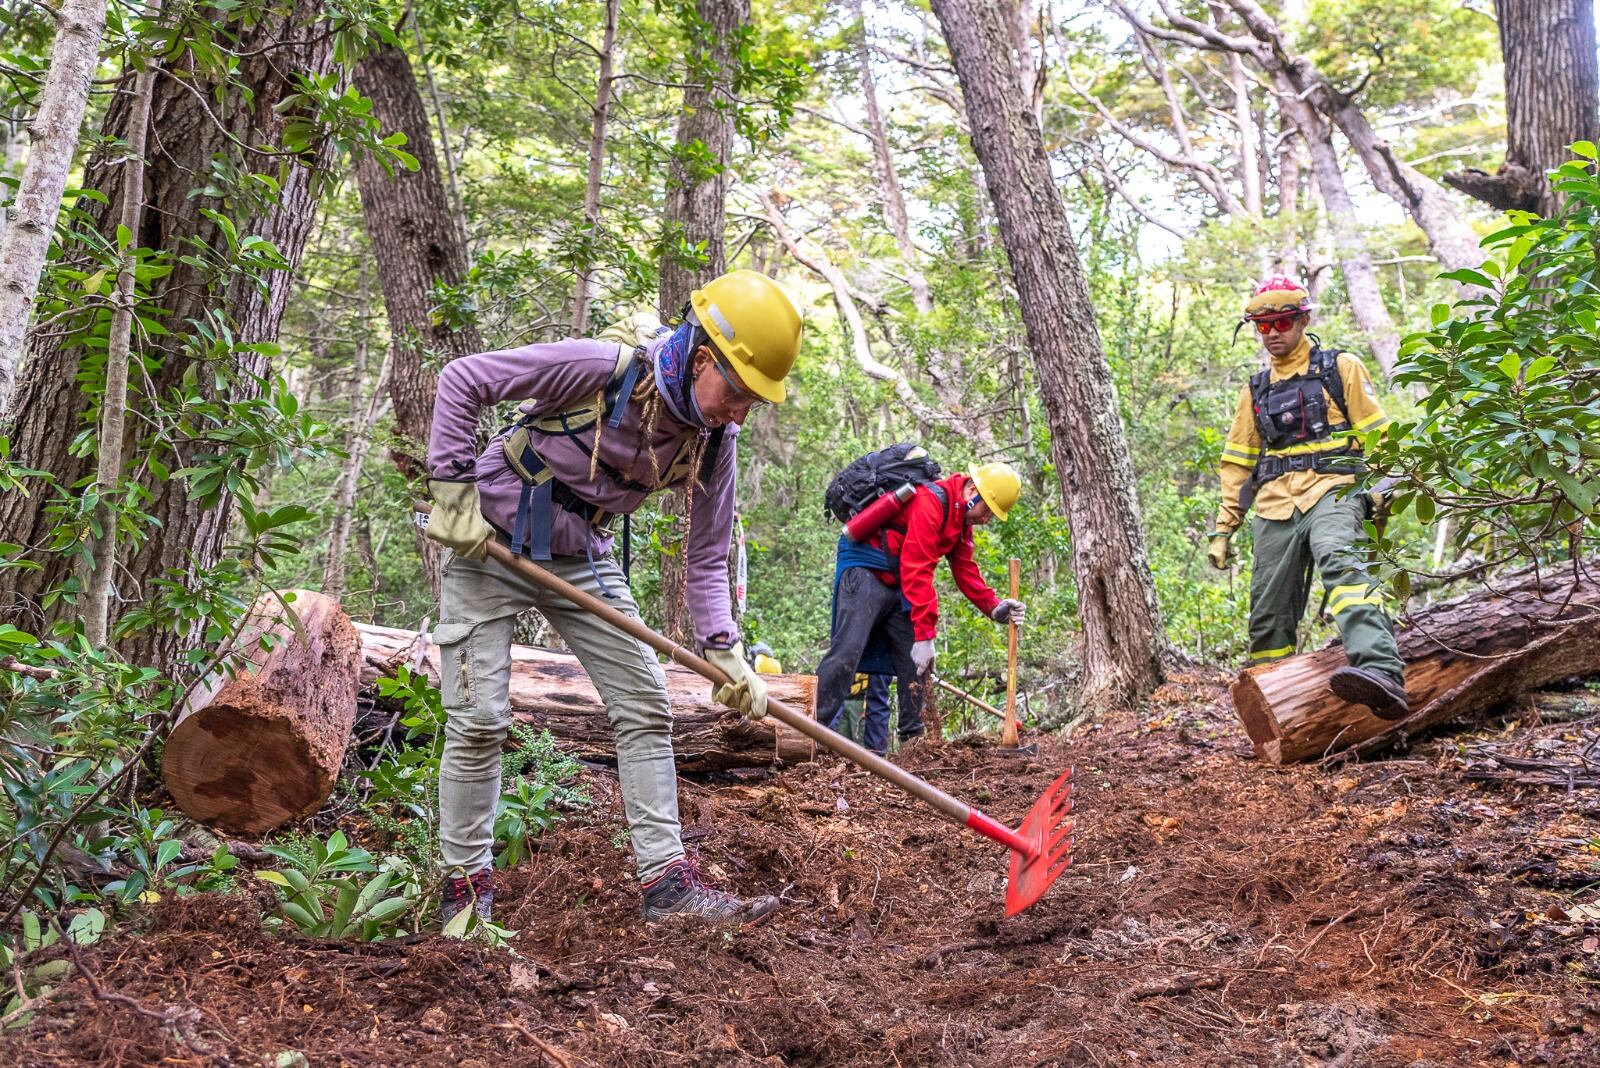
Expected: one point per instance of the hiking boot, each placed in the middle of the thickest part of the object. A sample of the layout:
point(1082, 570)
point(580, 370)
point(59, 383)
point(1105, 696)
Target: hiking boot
point(682, 890)
point(461, 890)
point(1382, 693)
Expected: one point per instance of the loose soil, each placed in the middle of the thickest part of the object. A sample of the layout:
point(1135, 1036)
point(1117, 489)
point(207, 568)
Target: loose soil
point(1219, 912)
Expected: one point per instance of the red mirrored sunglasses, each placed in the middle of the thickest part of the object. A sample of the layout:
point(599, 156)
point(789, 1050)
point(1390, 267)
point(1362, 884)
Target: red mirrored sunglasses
point(1282, 326)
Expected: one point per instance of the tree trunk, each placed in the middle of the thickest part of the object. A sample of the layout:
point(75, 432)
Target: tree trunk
point(1244, 121)
point(1020, 25)
point(1288, 192)
point(114, 401)
point(584, 289)
point(1462, 657)
point(416, 245)
point(1360, 276)
point(363, 420)
point(1116, 595)
point(894, 201)
point(451, 171)
point(1552, 97)
point(1449, 235)
point(696, 201)
point(550, 691)
point(265, 745)
point(32, 216)
point(696, 217)
point(50, 405)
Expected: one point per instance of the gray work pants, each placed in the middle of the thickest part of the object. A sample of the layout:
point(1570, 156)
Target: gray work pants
point(479, 603)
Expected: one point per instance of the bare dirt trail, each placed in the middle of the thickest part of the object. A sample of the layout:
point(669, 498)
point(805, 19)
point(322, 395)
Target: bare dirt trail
point(1220, 912)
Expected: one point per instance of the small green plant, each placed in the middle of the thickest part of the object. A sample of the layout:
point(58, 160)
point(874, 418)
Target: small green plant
point(147, 840)
point(321, 895)
point(465, 924)
point(34, 983)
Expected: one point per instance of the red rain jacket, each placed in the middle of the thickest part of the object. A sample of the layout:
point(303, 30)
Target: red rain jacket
point(933, 530)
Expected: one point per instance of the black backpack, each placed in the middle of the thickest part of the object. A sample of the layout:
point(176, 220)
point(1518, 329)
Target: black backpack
point(877, 473)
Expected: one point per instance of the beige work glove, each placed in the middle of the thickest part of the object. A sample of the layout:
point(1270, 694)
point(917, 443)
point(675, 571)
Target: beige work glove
point(1220, 549)
point(747, 692)
point(457, 522)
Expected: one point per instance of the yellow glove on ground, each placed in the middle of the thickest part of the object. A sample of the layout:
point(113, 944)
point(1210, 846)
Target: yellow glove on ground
point(746, 692)
point(456, 521)
point(1219, 551)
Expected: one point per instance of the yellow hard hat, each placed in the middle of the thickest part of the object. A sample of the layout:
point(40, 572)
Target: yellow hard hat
point(755, 325)
point(999, 485)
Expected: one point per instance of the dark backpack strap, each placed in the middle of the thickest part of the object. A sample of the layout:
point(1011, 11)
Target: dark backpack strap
point(708, 459)
point(1325, 365)
point(627, 547)
point(942, 497)
point(1260, 382)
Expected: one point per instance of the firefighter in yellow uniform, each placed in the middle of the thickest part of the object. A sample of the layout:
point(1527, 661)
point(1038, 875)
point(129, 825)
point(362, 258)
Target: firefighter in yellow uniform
point(1288, 451)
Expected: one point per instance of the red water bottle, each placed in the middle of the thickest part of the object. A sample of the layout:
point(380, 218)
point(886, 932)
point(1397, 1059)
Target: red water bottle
point(879, 514)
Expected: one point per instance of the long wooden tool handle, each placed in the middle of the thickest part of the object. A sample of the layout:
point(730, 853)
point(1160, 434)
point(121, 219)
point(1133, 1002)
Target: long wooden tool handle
point(1008, 736)
point(957, 811)
point(972, 699)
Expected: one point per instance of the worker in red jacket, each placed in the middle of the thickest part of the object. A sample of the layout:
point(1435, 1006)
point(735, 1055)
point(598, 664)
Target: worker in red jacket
point(883, 591)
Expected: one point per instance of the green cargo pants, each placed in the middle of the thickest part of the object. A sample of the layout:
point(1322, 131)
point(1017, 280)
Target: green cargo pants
point(1327, 538)
point(478, 607)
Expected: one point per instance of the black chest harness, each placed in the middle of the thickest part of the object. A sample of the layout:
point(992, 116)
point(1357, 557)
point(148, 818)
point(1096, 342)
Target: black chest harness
point(1292, 413)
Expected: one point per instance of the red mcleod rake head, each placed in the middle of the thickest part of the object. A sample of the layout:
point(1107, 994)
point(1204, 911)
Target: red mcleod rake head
point(1047, 829)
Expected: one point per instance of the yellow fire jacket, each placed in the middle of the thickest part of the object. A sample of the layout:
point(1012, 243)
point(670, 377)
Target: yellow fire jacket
point(1294, 490)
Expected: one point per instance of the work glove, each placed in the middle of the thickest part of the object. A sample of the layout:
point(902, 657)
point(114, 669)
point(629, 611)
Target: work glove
point(746, 692)
point(456, 521)
point(922, 656)
point(1009, 611)
point(1219, 550)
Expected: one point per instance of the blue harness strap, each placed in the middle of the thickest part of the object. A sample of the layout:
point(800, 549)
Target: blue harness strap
point(530, 531)
point(630, 378)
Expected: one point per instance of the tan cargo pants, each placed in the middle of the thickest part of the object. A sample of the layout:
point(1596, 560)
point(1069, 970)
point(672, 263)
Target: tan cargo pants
point(479, 603)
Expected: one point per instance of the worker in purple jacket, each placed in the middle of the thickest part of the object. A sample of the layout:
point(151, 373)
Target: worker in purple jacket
point(609, 422)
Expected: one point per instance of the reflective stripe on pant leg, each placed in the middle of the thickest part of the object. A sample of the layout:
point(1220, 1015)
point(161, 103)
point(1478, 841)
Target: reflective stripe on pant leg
point(1355, 600)
point(634, 688)
point(1278, 588)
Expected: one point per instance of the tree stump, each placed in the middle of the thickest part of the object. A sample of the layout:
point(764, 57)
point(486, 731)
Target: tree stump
point(264, 746)
point(1462, 657)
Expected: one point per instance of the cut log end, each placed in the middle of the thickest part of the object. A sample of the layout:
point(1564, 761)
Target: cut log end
point(1259, 723)
point(264, 745)
point(243, 771)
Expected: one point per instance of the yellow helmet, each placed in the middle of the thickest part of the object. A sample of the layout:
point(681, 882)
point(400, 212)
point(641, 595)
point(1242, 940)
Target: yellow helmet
point(755, 325)
point(999, 485)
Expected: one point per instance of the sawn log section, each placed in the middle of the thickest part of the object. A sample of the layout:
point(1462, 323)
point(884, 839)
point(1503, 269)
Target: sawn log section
point(1462, 657)
point(551, 691)
point(264, 746)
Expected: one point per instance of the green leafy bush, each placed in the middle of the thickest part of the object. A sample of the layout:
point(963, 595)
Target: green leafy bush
point(320, 894)
point(1507, 443)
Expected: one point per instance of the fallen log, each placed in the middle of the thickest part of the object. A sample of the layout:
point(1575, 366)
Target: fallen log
point(263, 746)
point(550, 691)
point(1462, 657)
point(1550, 706)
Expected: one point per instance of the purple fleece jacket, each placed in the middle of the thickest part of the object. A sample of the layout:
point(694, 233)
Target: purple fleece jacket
point(564, 375)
